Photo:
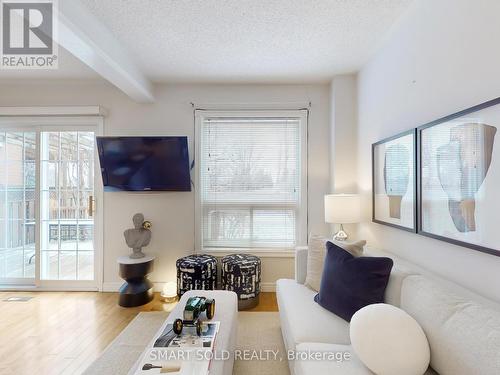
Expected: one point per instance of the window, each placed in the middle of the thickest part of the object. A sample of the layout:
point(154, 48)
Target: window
point(251, 179)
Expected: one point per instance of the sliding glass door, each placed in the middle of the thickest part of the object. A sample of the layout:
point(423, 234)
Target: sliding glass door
point(67, 191)
point(48, 221)
point(17, 206)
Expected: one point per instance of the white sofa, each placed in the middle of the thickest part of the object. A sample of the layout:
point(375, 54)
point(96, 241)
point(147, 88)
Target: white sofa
point(463, 328)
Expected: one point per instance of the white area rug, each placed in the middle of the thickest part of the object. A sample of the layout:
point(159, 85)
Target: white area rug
point(257, 332)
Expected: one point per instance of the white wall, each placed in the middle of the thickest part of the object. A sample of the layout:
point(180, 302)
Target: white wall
point(443, 56)
point(172, 214)
point(343, 140)
point(343, 134)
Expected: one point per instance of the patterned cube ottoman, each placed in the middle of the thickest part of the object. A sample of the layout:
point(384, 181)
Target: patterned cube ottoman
point(196, 272)
point(241, 274)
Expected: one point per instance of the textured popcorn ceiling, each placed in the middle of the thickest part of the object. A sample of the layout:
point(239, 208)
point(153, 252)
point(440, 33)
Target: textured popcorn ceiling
point(248, 41)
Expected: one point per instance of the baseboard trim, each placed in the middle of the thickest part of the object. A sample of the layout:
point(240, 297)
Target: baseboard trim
point(158, 286)
point(268, 287)
point(114, 286)
point(111, 286)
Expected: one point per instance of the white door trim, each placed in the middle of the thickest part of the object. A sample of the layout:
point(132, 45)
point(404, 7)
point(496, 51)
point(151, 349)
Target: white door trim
point(80, 110)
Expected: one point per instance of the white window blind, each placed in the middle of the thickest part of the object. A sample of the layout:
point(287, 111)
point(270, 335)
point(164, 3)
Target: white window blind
point(251, 180)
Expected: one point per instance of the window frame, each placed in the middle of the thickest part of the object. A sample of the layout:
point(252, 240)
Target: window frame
point(200, 115)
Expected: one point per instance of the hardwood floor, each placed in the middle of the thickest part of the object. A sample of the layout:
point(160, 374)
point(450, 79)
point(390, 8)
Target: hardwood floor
point(61, 333)
point(267, 302)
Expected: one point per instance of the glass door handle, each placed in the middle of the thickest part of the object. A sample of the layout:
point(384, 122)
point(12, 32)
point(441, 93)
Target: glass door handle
point(91, 205)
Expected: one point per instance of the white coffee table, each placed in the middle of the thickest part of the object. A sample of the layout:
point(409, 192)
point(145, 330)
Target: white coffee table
point(226, 312)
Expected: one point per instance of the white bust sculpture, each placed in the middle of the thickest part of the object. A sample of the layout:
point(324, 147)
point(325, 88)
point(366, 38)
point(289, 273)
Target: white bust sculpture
point(138, 237)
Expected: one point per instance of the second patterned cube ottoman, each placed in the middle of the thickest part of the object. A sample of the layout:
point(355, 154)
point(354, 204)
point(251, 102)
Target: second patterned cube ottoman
point(241, 274)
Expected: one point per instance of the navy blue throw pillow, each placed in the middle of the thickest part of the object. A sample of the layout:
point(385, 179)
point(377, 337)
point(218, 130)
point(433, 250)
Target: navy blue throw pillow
point(349, 284)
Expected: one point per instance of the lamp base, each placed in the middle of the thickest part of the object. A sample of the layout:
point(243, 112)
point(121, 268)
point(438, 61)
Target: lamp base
point(170, 299)
point(341, 235)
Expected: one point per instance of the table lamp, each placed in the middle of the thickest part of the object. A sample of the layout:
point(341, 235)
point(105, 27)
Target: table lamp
point(169, 292)
point(342, 209)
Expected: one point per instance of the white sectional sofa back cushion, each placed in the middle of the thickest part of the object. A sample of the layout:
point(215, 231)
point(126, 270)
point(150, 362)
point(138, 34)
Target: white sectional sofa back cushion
point(463, 335)
point(316, 257)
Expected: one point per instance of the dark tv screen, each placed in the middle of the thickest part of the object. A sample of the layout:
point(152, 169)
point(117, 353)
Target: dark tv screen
point(144, 163)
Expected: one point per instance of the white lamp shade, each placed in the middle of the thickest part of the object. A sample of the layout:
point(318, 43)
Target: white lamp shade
point(169, 290)
point(342, 208)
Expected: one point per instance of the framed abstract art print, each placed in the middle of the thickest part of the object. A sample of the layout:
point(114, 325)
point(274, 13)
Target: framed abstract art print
point(459, 178)
point(394, 181)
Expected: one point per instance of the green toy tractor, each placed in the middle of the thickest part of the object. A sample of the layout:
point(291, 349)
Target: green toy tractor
point(194, 307)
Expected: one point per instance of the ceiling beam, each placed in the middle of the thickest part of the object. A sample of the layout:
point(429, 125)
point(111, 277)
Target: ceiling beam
point(88, 39)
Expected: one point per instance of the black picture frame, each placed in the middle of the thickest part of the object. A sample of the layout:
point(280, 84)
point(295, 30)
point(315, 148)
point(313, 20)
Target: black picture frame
point(419, 131)
point(374, 213)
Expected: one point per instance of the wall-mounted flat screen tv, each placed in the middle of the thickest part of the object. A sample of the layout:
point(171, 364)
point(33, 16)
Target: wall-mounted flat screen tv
point(144, 163)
